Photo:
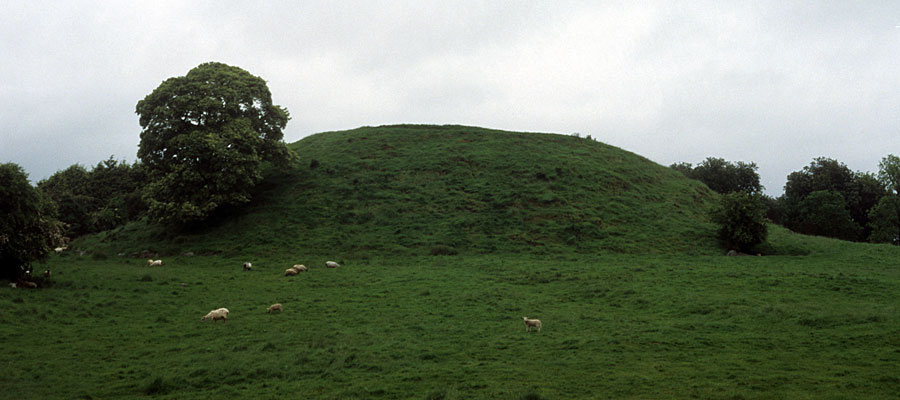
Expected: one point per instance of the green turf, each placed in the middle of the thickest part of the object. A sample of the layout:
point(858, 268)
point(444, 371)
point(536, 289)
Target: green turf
point(820, 326)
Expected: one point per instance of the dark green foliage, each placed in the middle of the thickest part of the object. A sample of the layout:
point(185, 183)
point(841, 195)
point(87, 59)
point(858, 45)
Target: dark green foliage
point(741, 220)
point(775, 209)
point(885, 221)
point(205, 136)
point(70, 190)
point(885, 217)
point(106, 197)
point(28, 230)
point(867, 192)
point(889, 173)
point(824, 213)
point(723, 176)
point(859, 192)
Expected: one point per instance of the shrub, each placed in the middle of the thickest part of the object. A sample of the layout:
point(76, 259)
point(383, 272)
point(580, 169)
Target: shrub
point(741, 220)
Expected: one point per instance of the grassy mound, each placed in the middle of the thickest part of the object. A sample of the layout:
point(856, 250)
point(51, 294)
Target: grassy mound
point(419, 190)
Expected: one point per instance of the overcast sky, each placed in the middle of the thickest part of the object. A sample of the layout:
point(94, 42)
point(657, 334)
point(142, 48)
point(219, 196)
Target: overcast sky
point(776, 83)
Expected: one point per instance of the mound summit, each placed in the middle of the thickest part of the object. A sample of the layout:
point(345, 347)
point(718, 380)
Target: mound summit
point(421, 189)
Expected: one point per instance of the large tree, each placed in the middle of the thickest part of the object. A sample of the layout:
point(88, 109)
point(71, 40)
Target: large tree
point(27, 230)
point(205, 136)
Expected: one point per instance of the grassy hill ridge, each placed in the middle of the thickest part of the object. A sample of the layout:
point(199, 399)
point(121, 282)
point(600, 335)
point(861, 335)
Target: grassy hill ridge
point(421, 189)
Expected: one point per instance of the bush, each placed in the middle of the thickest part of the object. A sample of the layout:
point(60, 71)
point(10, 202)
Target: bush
point(741, 219)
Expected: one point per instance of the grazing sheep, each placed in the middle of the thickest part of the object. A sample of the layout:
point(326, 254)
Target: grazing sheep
point(274, 307)
point(154, 263)
point(60, 249)
point(247, 266)
point(215, 315)
point(291, 272)
point(332, 264)
point(530, 323)
point(300, 268)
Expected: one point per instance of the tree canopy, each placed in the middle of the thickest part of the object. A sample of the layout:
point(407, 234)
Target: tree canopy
point(28, 230)
point(102, 198)
point(723, 176)
point(884, 217)
point(204, 138)
point(826, 198)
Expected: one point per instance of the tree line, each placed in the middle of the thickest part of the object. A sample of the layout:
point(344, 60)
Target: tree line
point(824, 198)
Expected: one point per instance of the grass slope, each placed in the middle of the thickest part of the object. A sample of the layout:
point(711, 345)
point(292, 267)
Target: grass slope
point(415, 190)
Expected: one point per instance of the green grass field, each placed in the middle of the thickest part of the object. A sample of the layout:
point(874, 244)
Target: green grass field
point(449, 236)
point(449, 327)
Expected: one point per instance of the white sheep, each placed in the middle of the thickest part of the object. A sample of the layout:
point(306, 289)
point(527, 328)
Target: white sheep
point(332, 264)
point(154, 263)
point(274, 307)
point(215, 315)
point(291, 272)
point(300, 267)
point(60, 249)
point(530, 323)
point(247, 266)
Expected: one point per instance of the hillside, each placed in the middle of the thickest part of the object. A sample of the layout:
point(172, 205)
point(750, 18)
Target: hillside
point(411, 189)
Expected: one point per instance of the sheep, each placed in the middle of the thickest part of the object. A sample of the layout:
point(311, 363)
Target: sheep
point(274, 307)
point(28, 285)
point(46, 273)
point(332, 264)
point(154, 263)
point(247, 266)
point(300, 267)
point(215, 315)
point(60, 249)
point(530, 323)
point(291, 272)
